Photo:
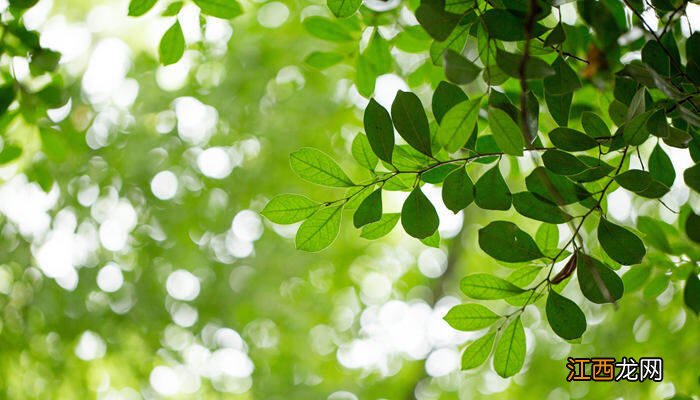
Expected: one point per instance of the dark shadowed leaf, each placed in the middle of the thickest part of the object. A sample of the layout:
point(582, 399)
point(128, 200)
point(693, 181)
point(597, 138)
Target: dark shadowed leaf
point(504, 241)
point(597, 281)
point(418, 216)
point(370, 210)
point(491, 191)
point(445, 97)
point(565, 318)
point(458, 69)
point(571, 140)
point(620, 243)
point(538, 208)
point(379, 129)
point(691, 292)
point(411, 122)
point(457, 190)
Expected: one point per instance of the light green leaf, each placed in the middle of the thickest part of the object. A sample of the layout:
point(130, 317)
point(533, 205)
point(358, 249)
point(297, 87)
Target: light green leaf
point(289, 208)
point(445, 97)
point(509, 355)
point(458, 124)
point(506, 132)
point(324, 28)
point(140, 7)
point(470, 317)
point(476, 353)
point(380, 228)
point(225, 9)
point(344, 8)
point(488, 287)
point(362, 152)
point(317, 167)
point(320, 230)
point(322, 59)
point(172, 45)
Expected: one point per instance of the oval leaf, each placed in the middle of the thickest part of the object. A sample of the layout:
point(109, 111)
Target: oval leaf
point(477, 352)
point(457, 190)
point(506, 132)
point(418, 216)
point(565, 318)
point(370, 210)
point(597, 281)
point(504, 241)
point(317, 167)
point(289, 208)
point(491, 191)
point(379, 129)
point(411, 122)
point(320, 230)
point(509, 356)
point(470, 317)
point(488, 287)
point(620, 244)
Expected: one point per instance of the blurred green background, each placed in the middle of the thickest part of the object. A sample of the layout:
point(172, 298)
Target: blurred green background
point(147, 272)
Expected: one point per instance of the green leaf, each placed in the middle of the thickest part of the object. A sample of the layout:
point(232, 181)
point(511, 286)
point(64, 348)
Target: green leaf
point(317, 167)
point(547, 237)
point(535, 68)
point(320, 230)
point(692, 227)
point(457, 190)
point(370, 210)
point(418, 216)
point(488, 287)
point(445, 97)
point(140, 7)
point(344, 8)
point(7, 96)
point(559, 107)
point(470, 317)
point(557, 36)
point(509, 355)
point(524, 275)
point(562, 163)
point(458, 69)
point(289, 208)
point(691, 176)
point(620, 244)
point(435, 20)
point(476, 353)
point(9, 153)
point(378, 54)
point(225, 9)
point(380, 228)
point(504, 241)
point(380, 131)
point(540, 209)
point(565, 318)
point(458, 124)
point(564, 79)
point(322, 60)
point(172, 45)
point(634, 180)
point(634, 278)
point(411, 122)
point(597, 281)
point(491, 191)
point(324, 28)
point(432, 240)
point(173, 9)
point(362, 152)
point(691, 292)
point(502, 25)
point(555, 188)
point(593, 125)
point(506, 132)
point(571, 140)
point(438, 174)
point(656, 286)
point(365, 76)
point(635, 132)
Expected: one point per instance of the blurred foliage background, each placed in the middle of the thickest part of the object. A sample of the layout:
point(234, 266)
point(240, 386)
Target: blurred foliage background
point(134, 263)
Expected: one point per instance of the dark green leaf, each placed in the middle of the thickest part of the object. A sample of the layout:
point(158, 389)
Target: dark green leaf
point(504, 241)
point(320, 230)
point(458, 124)
point(691, 293)
point(692, 227)
point(445, 97)
point(571, 140)
point(535, 68)
point(172, 45)
point(555, 188)
point(370, 210)
point(506, 132)
point(317, 167)
point(418, 216)
point(457, 190)
point(565, 318)
point(597, 281)
point(476, 353)
point(380, 228)
point(491, 191)
point(458, 69)
point(344, 8)
point(488, 287)
point(470, 317)
point(7, 96)
point(289, 208)
point(438, 174)
point(634, 180)
point(620, 243)
point(564, 79)
point(509, 355)
point(225, 9)
point(562, 163)
point(559, 107)
point(692, 177)
point(532, 206)
point(9, 153)
point(557, 36)
point(411, 122)
point(502, 25)
point(634, 132)
point(435, 20)
point(593, 125)
point(379, 129)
